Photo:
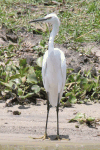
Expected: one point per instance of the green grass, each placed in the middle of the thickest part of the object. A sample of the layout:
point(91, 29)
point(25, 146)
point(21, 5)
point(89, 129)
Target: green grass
point(80, 20)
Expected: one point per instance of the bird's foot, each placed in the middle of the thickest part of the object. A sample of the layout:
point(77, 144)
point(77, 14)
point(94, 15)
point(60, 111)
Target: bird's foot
point(58, 138)
point(43, 137)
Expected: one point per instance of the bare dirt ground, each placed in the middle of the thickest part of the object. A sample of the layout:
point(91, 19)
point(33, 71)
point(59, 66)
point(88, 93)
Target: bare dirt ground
point(17, 129)
point(78, 60)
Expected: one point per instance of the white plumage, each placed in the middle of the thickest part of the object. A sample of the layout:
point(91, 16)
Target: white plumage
point(54, 65)
point(53, 70)
point(54, 74)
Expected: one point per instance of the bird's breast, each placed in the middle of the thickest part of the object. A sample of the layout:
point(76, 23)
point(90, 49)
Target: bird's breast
point(53, 69)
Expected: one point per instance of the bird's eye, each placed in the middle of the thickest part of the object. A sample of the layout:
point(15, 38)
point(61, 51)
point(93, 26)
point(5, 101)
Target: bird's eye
point(49, 18)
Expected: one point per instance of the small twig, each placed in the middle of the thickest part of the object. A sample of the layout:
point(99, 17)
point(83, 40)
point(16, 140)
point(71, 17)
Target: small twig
point(88, 56)
point(8, 45)
point(3, 46)
point(70, 84)
point(85, 34)
point(63, 1)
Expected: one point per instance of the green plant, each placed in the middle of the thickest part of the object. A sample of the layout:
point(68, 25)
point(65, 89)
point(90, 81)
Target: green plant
point(20, 80)
point(81, 119)
point(79, 87)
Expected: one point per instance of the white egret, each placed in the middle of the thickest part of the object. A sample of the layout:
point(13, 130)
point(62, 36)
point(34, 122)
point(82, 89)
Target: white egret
point(53, 69)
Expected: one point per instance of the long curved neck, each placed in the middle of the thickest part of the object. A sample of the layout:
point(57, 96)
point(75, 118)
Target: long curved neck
point(52, 36)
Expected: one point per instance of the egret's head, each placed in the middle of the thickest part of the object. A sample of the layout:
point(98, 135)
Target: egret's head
point(50, 18)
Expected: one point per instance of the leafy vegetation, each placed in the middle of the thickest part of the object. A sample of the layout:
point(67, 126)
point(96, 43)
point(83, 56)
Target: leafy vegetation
point(81, 119)
point(25, 81)
point(81, 88)
point(18, 80)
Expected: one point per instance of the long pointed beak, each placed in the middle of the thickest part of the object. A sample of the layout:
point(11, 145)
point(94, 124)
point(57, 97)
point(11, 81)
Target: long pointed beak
point(38, 20)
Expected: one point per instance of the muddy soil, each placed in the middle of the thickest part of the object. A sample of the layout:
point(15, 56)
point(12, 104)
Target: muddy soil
point(74, 59)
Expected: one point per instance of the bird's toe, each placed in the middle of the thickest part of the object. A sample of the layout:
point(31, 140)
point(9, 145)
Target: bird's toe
point(58, 138)
point(43, 137)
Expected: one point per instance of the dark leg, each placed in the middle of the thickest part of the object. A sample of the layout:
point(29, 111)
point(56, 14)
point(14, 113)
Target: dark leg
point(48, 107)
point(57, 109)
